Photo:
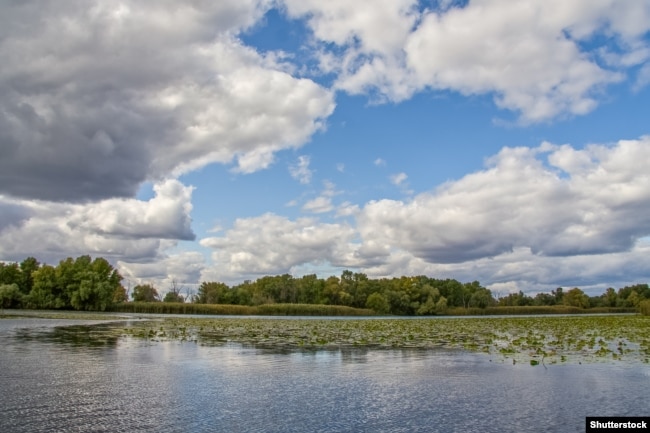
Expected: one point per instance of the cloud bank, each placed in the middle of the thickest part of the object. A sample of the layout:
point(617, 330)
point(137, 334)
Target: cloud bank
point(97, 97)
point(538, 58)
point(549, 214)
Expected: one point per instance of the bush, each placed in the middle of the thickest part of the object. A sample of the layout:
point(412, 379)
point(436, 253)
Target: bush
point(644, 307)
point(10, 296)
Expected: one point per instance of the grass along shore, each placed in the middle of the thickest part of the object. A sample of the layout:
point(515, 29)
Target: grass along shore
point(240, 310)
point(340, 310)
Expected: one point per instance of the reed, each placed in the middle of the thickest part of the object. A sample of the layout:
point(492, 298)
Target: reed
point(183, 308)
point(530, 310)
point(311, 310)
point(240, 310)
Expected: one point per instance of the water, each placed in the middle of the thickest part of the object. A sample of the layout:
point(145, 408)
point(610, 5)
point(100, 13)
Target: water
point(55, 378)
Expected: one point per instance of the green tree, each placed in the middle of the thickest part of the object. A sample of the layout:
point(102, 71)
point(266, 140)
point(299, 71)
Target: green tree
point(27, 269)
point(213, 292)
point(172, 296)
point(10, 273)
point(10, 296)
point(331, 290)
point(481, 298)
point(576, 298)
point(559, 295)
point(610, 297)
point(427, 307)
point(145, 293)
point(516, 300)
point(46, 293)
point(441, 305)
point(120, 295)
point(310, 290)
point(644, 307)
point(544, 299)
point(634, 299)
point(378, 303)
point(94, 285)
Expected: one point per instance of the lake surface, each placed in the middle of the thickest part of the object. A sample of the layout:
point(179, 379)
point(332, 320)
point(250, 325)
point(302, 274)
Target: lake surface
point(54, 378)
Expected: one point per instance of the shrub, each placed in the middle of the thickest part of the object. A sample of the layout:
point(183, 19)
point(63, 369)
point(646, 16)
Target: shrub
point(644, 307)
point(10, 296)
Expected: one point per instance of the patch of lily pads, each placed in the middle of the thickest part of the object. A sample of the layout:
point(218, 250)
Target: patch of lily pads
point(540, 340)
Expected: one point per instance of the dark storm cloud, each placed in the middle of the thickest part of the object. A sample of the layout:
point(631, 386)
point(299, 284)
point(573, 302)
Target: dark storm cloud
point(72, 127)
point(98, 96)
point(95, 153)
point(12, 215)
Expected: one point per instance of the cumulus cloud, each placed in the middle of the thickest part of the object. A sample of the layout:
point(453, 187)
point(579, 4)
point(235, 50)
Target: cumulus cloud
point(532, 220)
point(643, 78)
point(183, 269)
point(555, 200)
point(532, 56)
point(322, 203)
point(522, 270)
point(98, 96)
point(398, 179)
point(272, 244)
point(127, 229)
point(300, 170)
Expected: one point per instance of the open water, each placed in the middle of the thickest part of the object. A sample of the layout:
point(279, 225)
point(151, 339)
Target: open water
point(53, 379)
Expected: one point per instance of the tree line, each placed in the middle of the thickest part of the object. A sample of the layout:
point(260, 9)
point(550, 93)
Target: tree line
point(79, 284)
point(414, 295)
point(87, 284)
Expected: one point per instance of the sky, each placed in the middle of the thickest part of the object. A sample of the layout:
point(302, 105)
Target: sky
point(490, 140)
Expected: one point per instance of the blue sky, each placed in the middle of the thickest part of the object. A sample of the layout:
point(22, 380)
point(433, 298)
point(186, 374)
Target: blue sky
point(481, 140)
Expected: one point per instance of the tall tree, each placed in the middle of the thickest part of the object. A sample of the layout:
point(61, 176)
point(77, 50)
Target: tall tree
point(212, 292)
point(95, 284)
point(46, 293)
point(27, 269)
point(576, 298)
point(145, 293)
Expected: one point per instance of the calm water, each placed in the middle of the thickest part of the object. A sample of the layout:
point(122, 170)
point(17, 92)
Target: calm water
point(52, 379)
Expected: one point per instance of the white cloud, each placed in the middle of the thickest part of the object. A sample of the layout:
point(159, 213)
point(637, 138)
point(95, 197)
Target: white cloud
point(183, 269)
point(379, 162)
point(590, 201)
point(398, 179)
point(127, 229)
point(322, 203)
point(643, 78)
point(347, 209)
point(529, 55)
point(532, 220)
point(300, 170)
point(272, 244)
point(166, 215)
point(520, 269)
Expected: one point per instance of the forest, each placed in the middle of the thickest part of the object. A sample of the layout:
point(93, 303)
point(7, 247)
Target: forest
point(95, 285)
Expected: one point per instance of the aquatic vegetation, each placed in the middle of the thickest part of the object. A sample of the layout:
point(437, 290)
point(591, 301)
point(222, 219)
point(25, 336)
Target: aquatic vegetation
point(544, 339)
